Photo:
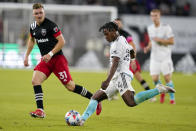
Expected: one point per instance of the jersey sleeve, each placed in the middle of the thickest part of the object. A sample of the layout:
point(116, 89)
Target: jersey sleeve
point(55, 30)
point(169, 32)
point(117, 50)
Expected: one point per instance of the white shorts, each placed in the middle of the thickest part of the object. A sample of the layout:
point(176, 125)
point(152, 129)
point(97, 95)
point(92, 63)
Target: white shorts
point(119, 83)
point(164, 67)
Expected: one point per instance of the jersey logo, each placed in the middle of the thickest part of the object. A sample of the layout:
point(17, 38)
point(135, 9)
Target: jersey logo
point(43, 32)
point(42, 40)
point(55, 29)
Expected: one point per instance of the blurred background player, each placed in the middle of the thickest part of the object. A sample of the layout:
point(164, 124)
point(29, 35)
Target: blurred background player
point(50, 41)
point(161, 39)
point(120, 77)
point(134, 64)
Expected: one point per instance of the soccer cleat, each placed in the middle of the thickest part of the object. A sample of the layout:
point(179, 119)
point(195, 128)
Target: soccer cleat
point(162, 97)
point(99, 108)
point(165, 89)
point(172, 102)
point(39, 113)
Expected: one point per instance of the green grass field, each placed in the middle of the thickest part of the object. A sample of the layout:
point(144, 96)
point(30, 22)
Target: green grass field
point(17, 100)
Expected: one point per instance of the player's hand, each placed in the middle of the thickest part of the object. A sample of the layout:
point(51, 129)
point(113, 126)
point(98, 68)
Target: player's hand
point(26, 63)
point(133, 65)
point(104, 85)
point(46, 58)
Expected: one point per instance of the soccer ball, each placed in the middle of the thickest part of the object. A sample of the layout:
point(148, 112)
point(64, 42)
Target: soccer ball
point(72, 118)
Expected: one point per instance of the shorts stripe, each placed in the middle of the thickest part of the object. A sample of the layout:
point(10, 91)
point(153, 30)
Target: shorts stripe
point(124, 80)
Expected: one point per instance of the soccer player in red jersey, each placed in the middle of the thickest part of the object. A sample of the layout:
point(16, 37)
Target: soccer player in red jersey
point(50, 41)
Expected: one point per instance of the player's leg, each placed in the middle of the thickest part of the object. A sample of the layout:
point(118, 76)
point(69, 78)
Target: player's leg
point(37, 80)
point(127, 92)
point(41, 73)
point(167, 69)
point(96, 98)
point(138, 76)
point(132, 100)
point(155, 70)
point(143, 83)
point(61, 70)
point(83, 92)
point(170, 84)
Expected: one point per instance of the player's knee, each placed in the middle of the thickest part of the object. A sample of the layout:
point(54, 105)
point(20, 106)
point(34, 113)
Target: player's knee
point(131, 104)
point(70, 86)
point(35, 82)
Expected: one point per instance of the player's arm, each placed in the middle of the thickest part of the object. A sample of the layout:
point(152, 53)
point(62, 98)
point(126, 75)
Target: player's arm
point(112, 71)
point(30, 45)
point(57, 48)
point(164, 42)
point(59, 45)
point(148, 47)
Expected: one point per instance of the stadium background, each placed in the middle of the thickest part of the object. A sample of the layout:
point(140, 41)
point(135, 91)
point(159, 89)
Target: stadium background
point(85, 45)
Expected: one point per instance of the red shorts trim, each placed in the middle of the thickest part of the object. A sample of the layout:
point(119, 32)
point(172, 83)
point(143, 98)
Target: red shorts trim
point(138, 68)
point(58, 65)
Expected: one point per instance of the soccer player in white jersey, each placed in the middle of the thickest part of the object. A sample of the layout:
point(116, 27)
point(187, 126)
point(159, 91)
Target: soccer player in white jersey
point(119, 76)
point(161, 40)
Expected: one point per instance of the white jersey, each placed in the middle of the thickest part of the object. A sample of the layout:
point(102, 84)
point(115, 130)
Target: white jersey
point(160, 52)
point(121, 49)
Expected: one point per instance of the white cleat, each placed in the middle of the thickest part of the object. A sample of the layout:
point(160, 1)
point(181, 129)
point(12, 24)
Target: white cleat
point(165, 89)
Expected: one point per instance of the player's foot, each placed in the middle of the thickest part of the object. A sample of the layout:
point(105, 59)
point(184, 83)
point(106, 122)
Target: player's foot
point(99, 108)
point(165, 89)
point(81, 122)
point(39, 113)
point(153, 99)
point(162, 98)
point(172, 102)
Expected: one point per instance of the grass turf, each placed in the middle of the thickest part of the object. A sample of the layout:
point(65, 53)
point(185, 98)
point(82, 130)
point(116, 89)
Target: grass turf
point(17, 100)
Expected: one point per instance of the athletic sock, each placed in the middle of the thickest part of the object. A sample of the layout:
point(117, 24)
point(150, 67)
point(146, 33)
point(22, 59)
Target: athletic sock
point(170, 84)
point(145, 95)
point(38, 96)
point(82, 91)
point(145, 85)
point(157, 82)
point(90, 109)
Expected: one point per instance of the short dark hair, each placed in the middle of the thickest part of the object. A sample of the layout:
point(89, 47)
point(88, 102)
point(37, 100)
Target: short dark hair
point(110, 26)
point(37, 6)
